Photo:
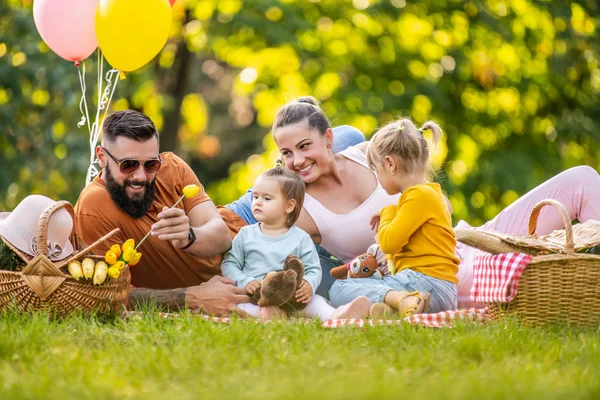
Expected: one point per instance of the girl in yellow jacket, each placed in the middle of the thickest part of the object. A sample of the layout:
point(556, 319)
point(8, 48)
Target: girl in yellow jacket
point(416, 234)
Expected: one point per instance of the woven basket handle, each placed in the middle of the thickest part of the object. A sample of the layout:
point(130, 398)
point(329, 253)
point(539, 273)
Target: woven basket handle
point(42, 232)
point(89, 248)
point(535, 213)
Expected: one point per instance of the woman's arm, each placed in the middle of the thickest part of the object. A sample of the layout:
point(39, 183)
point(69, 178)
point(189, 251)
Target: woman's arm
point(307, 224)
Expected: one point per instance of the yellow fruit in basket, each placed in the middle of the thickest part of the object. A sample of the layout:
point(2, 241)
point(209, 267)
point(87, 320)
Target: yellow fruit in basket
point(129, 254)
point(114, 272)
point(135, 260)
point(191, 190)
point(88, 268)
point(75, 269)
point(116, 249)
point(100, 273)
point(128, 243)
point(120, 265)
point(110, 257)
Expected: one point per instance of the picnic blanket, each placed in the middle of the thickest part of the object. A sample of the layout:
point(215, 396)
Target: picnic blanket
point(440, 320)
point(496, 276)
point(496, 279)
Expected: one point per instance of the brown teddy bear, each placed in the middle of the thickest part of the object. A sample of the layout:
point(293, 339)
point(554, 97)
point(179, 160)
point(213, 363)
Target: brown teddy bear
point(278, 288)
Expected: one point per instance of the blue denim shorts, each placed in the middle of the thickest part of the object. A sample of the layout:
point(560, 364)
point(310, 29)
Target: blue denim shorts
point(443, 293)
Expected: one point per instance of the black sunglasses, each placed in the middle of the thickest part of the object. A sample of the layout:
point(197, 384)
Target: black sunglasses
point(129, 166)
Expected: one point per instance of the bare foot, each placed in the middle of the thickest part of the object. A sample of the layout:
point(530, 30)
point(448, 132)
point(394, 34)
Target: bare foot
point(357, 308)
point(270, 313)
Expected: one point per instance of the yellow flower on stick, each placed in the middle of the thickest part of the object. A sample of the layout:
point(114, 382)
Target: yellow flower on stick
point(189, 191)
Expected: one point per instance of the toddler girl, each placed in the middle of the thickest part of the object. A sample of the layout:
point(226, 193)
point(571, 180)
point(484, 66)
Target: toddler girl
point(416, 234)
point(263, 247)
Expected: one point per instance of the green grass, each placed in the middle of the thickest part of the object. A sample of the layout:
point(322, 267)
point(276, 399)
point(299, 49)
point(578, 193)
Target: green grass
point(153, 358)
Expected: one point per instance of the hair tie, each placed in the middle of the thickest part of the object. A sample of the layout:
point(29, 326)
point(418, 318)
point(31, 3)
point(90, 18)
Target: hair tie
point(400, 126)
point(279, 163)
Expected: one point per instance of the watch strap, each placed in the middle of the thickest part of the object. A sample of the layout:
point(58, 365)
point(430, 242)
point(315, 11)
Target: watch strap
point(192, 237)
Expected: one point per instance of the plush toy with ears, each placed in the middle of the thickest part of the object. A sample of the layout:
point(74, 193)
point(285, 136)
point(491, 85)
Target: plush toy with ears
point(363, 266)
point(278, 288)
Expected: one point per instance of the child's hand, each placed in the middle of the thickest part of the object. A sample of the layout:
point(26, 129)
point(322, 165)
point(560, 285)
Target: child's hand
point(252, 287)
point(375, 221)
point(304, 292)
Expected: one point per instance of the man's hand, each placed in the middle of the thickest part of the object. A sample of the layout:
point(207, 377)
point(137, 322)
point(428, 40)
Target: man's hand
point(252, 287)
point(375, 219)
point(173, 226)
point(304, 292)
point(218, 297)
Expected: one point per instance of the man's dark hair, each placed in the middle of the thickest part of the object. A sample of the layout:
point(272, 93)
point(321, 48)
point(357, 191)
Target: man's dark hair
point(129, 124)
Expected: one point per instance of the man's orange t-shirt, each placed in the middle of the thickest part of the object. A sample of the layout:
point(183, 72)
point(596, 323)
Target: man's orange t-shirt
point(162, 266)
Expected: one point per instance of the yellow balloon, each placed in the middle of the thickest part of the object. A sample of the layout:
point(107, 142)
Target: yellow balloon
point(131, 32)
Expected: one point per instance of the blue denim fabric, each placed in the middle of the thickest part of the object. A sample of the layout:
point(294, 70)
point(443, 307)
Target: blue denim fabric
point(443, 293)
point(328, 261)
point(344, 136)
point(242, 207)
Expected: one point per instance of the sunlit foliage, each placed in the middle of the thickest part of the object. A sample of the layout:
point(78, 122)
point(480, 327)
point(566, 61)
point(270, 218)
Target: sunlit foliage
point(514, 84)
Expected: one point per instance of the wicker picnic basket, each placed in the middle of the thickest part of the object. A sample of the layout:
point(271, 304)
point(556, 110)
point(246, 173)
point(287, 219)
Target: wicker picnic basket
point(41, 285)
point(559, 284)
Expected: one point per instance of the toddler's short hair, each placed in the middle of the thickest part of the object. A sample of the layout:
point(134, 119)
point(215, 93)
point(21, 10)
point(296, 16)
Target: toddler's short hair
point(292, 186)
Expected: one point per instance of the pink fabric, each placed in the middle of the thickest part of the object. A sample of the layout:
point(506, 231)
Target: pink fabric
point(578, 189)
point(333, 227)
point(496, 277)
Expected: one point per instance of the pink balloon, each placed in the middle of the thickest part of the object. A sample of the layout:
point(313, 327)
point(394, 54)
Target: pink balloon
point(67, 26)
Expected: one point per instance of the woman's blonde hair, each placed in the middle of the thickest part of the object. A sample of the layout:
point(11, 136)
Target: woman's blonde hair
point(292, 186)
point(403, 140)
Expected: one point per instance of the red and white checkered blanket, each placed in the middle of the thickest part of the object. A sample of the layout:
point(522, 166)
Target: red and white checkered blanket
point(496, 276)
point(440, 320)
point(443, 319)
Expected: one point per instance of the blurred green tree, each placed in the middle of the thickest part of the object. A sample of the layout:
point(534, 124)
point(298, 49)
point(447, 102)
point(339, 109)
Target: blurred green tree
point(514, 84)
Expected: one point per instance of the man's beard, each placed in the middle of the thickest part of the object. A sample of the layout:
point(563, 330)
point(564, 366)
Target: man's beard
point(137, 207)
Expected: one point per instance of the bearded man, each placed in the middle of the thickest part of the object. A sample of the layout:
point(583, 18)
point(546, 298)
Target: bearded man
point(135, 192)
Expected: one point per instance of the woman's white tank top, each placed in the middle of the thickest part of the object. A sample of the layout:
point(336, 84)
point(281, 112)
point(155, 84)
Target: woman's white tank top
point(348, 235)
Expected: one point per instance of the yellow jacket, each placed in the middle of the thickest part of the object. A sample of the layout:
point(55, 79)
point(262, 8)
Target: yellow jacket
point(418, 234)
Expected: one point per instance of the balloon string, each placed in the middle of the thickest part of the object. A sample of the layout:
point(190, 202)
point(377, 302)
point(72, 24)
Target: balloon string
point(92, 170)
point(105, 96)
point(83, 107)
point(94, 134)
point(109, 90)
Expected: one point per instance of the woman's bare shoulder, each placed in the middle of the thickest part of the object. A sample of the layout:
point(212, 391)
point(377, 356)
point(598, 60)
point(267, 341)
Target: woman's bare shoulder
point(362, 146)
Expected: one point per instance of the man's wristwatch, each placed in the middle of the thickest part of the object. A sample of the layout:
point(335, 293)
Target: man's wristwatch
point(191, 237)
